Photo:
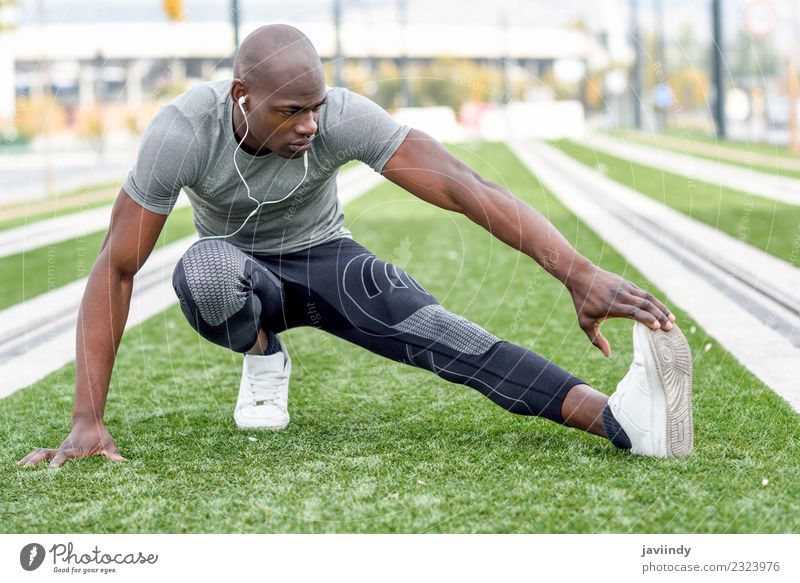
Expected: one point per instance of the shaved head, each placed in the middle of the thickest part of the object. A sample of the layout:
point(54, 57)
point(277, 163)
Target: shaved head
point(278, 59)
point(280, 90)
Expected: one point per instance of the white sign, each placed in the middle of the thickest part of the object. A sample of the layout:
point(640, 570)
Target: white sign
point(616, 81)
point(760, 18)
point(737, 104)
point(569, 71)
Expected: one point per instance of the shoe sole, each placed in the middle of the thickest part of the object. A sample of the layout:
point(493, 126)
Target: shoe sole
point(673, 359)
point(263, 427)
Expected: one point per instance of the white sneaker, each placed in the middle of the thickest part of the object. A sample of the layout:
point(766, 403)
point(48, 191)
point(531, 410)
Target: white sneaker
point(264, 391)
point(653, 401)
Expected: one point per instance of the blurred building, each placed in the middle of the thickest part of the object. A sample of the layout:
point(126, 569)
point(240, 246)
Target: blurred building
point(131, 62)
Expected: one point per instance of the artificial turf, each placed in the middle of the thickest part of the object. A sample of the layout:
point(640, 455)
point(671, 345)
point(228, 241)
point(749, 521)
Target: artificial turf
point(770, 225)
point(777, 166)
point(66, 204)
point(758, 147)
point(28, 274)
point(376, 446)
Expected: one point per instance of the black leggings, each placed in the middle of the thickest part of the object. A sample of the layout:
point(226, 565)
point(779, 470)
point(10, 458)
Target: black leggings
point(344, 289)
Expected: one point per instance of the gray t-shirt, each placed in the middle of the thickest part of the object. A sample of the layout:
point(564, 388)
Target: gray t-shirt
point(190, 145)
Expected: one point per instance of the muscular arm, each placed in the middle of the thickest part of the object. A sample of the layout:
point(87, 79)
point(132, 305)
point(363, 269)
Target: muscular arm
point(423, 167)
point(131, 236)
point(104, 309)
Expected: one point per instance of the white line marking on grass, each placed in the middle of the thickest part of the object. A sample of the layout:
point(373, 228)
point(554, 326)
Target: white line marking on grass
point(49, 231)
point(762, 184)
point(37, 337)
point(43, 339)
point(691, 263)
point(778, 159)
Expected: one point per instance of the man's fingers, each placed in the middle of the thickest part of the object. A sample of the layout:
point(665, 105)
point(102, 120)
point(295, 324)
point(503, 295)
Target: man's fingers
point(656, 312)
point(113, 454)
point(601, 343)
point(597, 338)
point(34, 457)
point(668, 315)
point(643, 316)
point(60, 458)
point(39, 455)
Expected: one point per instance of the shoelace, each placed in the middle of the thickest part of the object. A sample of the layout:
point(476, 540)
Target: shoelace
point(268, 392)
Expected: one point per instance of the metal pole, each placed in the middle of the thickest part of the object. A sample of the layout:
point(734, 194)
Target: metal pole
point(660, 33)
point(338, 78)
point(638, 74)
point(49, 172)
point(794, 86)
point(662, 57)
point(504, 59)
point(719, 83)
point(235, 22)
point(405, 87)
point(794, 94)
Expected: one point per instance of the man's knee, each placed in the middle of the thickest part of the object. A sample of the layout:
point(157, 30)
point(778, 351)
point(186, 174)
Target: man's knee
point(386, 300)
point(210, 276)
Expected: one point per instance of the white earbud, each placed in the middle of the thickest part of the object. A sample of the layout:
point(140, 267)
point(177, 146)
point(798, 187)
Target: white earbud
point(242, 100)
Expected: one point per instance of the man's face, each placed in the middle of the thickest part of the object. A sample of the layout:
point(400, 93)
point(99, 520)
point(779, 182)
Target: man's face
point(286, 121)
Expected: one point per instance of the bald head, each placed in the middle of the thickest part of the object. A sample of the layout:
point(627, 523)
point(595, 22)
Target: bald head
point(280, 90)
point(278, 58)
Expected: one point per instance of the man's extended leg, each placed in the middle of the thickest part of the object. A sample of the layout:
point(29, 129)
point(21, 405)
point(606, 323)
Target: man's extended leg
point(583, 409)
point(372, 303)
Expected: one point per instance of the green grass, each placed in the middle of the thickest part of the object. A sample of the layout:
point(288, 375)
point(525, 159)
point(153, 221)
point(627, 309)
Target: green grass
point(26, 275)
point(761, 148)
point(59, 211)
point(376, 446)
point(35, 217)
point(770, 225)
point(778, 153)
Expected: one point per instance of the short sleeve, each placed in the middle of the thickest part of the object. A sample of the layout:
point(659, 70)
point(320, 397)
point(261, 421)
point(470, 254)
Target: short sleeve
point(356, 128)
point(167, 161)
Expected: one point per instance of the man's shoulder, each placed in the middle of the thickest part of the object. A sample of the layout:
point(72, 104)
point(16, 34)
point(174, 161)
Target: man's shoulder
point(334, 100)
point(343, 105)
point(203, 100)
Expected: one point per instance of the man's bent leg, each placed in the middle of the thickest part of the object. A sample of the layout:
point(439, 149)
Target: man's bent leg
point(227, 296)
point(233, 300)
point(262, 342)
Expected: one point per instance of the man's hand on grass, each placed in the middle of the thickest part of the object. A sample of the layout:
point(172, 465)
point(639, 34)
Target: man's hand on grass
point(599, 295)
point(85, 439)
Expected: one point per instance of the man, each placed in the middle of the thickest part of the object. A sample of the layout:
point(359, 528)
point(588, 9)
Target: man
point(258, 158)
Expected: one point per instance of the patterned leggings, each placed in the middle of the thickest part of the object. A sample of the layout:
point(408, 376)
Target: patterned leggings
point(344, 289)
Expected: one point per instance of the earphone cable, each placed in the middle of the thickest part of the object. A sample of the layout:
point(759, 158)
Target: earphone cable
point(247, 186)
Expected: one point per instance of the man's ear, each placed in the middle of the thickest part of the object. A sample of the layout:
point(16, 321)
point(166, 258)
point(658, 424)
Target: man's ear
point(238, 89)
